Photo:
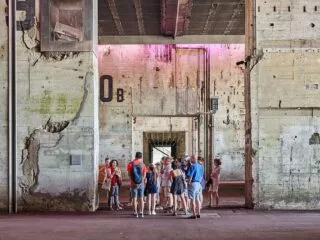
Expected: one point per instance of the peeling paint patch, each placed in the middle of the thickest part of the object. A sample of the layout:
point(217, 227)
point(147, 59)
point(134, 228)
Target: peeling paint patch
point(29, 162)
point(315, 139)
point(54, 127)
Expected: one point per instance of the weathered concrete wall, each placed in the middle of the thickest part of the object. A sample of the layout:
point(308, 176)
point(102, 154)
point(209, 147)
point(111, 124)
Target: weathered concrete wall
point(160, 81)
point(286, 96)
point(3, 109)
point(57, 118)
point(227, 84)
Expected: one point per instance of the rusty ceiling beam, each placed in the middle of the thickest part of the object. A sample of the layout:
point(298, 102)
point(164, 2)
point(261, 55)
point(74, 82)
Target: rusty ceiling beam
point(163, 16)
point(173, 16)
point(115, 16)
point(187, 17)
point(213, 11)
point(177, 20)
point(137, 5)
point(233, 20)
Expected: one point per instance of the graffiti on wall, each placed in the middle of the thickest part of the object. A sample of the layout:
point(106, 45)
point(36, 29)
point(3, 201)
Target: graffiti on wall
point(106, 90)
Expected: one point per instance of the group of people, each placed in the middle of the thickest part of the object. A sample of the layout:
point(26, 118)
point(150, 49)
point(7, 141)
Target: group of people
point(170, 184)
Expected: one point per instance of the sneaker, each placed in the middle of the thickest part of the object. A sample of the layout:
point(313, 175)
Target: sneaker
point(149, 213)
point(154, 213)
point(141, 215)
point(119, 208)
point(174, 214)
point(198, 216)
point(192, 217)
point(136, 215)
point(111, 209)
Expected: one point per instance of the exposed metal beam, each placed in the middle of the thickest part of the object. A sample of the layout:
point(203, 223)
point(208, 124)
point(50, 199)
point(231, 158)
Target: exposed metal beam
point(115, 16)
point(163, 16)
point(137, 5)
point(12, 110)
point(233, 20)
point(213, 11)
point(177, 20)
point(191, 39)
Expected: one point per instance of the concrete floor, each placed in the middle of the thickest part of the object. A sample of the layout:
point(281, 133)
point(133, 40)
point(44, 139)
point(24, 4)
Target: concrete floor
point(213, 224)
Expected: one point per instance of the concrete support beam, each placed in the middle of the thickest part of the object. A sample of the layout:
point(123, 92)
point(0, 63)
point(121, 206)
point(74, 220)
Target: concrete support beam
point(115, 16)
point(249, 50)
point(137, 5)
point(188, 39)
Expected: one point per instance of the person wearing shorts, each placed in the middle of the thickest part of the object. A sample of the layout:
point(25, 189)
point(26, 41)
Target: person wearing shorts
point(195, 174)
point(137, 190)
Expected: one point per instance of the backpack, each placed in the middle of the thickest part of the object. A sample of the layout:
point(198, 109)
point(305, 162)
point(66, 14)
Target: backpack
point(136, 173)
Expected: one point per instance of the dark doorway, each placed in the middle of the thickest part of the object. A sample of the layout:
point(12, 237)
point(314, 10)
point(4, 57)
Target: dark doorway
point(163, 144)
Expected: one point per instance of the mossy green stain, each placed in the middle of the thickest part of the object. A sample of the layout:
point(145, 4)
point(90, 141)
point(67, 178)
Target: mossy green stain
point(61, 104)
point(45, 102)
point(74, 105)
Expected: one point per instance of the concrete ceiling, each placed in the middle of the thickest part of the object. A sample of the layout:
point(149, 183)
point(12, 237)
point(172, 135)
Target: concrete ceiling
point(172, 18)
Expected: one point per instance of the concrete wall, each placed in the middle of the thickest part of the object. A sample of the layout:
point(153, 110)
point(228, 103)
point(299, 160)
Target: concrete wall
point(228, 84)
point(286, 96)
point(162, 81)
point(57, 119)
point(3, 109)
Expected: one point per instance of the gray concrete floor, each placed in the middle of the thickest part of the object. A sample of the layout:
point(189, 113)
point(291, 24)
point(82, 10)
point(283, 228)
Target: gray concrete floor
point(213, 224)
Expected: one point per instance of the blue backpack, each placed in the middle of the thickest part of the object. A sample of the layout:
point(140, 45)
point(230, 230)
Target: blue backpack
point(136, 173)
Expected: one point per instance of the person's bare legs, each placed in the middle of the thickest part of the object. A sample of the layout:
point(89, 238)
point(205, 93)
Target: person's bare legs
point(184, 203)
point(198, 207)
point(141, 206)
point(201, 198)
point(187, 202)
point(170, 200)
point(211, 199)
point(193, 203)
point(153, 204)
point(149, 203)
point(135, 205)
point(217, 198)
point(175, 204)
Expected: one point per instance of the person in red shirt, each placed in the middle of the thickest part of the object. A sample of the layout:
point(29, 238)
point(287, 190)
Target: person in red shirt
point(114, 173)
point(137, 174)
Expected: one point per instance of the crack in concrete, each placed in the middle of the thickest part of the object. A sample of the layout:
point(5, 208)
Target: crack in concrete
point(84, 98)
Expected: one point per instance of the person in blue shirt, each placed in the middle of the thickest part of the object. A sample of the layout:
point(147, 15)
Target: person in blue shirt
point(195, 175)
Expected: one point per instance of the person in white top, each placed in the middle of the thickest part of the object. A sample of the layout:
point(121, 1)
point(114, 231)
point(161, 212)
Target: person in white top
point(214, 186)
